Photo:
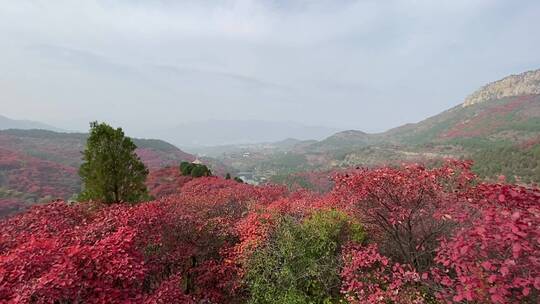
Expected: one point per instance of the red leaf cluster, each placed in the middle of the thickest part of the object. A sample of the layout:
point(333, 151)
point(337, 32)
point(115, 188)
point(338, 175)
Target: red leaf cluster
point(496, 257)
point(406, 210)
point(166, 181)
point(478, 242)
point(489, 119)
point(369, 277)
point(95, 254)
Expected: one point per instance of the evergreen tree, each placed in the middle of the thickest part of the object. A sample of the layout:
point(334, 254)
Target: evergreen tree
point(111, 171)
point(194, 170)
point(186, 168)
point(200, 170)
point(228, 176)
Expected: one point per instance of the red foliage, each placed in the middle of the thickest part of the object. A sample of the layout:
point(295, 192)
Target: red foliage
point(36, 177)
point(369, 277)
point(166, 181)
point(156, 159)
point(95, 254)
point(405, 210)
point(315, 181)
point(169, 291)
point(48, 255)
point(39, 166)
point(190, 246)
point(496, 258)
point(488, 120)
point(530, 143)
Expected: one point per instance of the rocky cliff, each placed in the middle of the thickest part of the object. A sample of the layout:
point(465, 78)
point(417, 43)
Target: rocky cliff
point(527, 83)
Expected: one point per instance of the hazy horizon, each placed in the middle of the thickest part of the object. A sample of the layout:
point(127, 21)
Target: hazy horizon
point(151, 66)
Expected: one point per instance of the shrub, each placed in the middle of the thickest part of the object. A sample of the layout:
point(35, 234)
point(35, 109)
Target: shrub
point(173, 249)
point(219, 241)
point(186, 167)
point(194, 170)
point(369, 277)
point(496, 257)
point(406, 210)
point(199, 171)
point(300, 262)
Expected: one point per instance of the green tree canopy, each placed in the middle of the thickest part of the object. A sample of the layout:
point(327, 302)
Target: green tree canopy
point(200, 170)
point(195, 170)
point(111, 171)
point(186, 168)
point(300, 264)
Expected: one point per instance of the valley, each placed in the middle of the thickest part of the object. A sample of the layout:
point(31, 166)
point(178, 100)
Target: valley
point(499, 133)
point(269, 152)
point(496, 125)
point(37, 166)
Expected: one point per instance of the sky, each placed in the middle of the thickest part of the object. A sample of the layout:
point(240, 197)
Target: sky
point(155, 64)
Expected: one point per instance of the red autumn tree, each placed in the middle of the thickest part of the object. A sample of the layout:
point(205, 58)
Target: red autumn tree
point(150, 252)
point(405, 210)
point(496, 257)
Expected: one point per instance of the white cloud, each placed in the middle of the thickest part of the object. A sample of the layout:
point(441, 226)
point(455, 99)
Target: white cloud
point(365, 64)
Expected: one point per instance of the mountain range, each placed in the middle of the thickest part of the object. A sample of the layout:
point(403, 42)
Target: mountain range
point(497, 126)
point(239, 132)
point(8, 123)
point(205, 133)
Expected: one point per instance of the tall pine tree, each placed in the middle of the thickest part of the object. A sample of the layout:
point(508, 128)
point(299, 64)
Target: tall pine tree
point(111, 171)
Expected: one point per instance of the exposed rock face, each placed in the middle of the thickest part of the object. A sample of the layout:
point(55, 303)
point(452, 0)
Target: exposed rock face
point(527, 83)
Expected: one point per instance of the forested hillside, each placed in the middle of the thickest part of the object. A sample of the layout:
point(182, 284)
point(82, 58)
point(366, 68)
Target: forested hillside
point(500, 131)
point(387, 235)
point(291, 152)
point(39, 166)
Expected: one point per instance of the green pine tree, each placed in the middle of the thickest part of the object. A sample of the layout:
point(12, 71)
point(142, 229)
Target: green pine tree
point(186, 168)
point(111, 171)
point(200, 170)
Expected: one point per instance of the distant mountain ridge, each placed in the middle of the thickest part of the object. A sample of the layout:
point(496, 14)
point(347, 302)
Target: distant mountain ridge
point(237, 132)
point(527, 83)
point(8, 123)
point(498, 127)
point(66, 148)
point(507, 109)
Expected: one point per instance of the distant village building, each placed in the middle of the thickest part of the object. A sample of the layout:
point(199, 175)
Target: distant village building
point(248, 177)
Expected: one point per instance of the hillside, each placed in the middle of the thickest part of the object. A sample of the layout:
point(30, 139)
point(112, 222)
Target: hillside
point(500, 121)
point(39, 165)
point(513, 119)
point(496, 127)
point(344, 140)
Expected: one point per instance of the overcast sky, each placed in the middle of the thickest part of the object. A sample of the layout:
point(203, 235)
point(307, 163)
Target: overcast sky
point(150, 64)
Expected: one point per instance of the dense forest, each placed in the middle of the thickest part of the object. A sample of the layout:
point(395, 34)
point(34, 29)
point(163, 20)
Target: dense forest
point(385, 235)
